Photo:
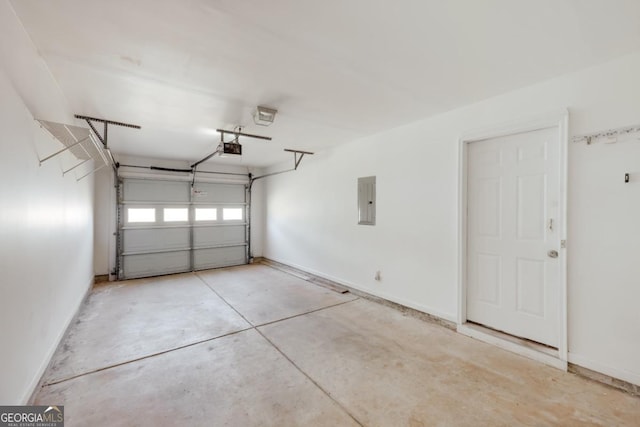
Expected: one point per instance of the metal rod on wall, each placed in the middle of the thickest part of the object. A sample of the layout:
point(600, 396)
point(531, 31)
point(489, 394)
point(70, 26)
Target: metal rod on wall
point(589, 137)
point(62, 151)
point(73, 167)
point(89, 173)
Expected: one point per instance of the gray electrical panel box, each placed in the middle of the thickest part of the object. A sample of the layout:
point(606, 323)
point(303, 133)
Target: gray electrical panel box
point(367, 200)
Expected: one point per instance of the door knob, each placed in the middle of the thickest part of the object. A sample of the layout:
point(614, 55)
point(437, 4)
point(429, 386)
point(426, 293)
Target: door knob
point(552, 254)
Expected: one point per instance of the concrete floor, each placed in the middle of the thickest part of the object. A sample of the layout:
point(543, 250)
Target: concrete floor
point(253, 346)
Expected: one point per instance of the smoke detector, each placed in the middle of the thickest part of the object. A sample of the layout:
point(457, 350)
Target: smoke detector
point(264, 116)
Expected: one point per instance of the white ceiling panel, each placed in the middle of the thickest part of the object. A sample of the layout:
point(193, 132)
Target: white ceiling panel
point(335, 70)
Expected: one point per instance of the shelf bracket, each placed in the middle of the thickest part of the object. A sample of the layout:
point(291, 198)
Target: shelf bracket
point(296, 159)
point(104, 137)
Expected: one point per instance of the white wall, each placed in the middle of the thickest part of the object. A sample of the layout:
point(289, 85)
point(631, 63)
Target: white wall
point(104, 222)
point(311, 214)
point(46, 220)
point(105, 199)
point(257, 216)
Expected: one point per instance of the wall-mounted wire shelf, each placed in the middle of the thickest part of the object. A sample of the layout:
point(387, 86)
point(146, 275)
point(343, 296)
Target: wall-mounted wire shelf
point(78, 141)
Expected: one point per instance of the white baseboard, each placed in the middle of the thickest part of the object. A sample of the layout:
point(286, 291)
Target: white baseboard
point(410, 304)
point(36, 380)
point(617, 373)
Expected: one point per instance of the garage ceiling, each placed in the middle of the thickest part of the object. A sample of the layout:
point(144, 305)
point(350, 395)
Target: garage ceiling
point(336, 70)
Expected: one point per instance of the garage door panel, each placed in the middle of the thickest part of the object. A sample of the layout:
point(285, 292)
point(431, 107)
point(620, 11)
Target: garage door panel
point(146, 265)
point(141, 190)
point(154, 239)
point(211, 236)
point(218, 193)
point(219, 257)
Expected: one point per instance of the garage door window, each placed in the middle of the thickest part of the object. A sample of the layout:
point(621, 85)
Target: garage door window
point(206, 214)
point(137, 215)
point(232, 214)
point(176, 214)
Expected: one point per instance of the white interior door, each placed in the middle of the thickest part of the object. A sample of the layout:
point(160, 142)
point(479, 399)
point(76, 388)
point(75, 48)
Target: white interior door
point(513, 199)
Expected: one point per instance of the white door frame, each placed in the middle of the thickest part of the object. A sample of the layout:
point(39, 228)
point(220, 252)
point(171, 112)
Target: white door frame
point(559, 119)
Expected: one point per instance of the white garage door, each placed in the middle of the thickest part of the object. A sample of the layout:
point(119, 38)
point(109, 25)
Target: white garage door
point(165, 227)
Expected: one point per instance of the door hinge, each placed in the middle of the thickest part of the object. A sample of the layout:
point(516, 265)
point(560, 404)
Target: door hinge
point(563, 244)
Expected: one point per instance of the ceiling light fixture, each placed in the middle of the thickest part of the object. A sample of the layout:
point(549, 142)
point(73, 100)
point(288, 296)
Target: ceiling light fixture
point(264, 116)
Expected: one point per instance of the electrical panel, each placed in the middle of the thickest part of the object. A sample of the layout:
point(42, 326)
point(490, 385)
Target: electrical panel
point(367, 200)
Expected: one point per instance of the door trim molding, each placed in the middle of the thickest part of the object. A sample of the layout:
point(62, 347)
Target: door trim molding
point(556, 119)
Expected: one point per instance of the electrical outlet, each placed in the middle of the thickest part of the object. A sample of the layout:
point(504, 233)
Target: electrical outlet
point(377, 276)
